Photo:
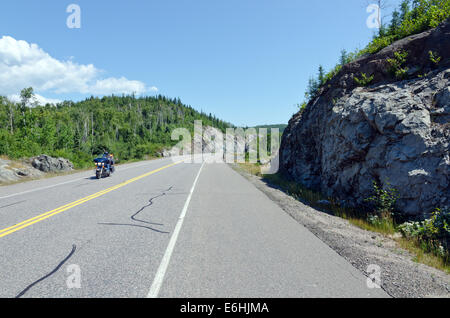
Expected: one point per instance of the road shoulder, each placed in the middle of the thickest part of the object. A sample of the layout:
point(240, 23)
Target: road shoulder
point(237, 243)
point(401, 276)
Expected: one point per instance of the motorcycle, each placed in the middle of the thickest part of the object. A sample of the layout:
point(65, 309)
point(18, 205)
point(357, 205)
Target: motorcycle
point(103, 168)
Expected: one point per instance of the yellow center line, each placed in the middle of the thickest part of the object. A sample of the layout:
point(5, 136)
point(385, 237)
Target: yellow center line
point(68, 206)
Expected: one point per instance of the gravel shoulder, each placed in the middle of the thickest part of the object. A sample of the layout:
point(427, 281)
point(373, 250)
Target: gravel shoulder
point(401, 276)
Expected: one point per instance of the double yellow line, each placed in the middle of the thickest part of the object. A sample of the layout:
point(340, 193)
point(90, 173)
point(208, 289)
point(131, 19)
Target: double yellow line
point(46, 215)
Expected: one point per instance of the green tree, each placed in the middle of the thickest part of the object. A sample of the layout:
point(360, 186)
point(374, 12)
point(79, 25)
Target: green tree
point(25, 95)
point(404, 10)
point(395, 22)
point(344, 57)
point(321, 75)
point(313, 87)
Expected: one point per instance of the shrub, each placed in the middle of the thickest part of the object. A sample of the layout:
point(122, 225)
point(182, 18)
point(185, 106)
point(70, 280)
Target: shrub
point(433, 233)
point(434, 57)
point(302, 107)
point(378, 44)
point(384, 200)
point(396, 64)
point(364, 80)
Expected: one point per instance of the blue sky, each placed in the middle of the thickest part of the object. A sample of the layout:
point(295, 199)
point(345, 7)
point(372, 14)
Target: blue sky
point(246, 61)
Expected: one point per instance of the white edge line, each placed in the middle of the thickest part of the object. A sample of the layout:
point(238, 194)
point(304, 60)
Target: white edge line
point(160, 274)
point(62, 183)
point(39, 189)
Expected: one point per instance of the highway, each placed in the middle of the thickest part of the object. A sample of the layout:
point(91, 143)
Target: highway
point(161, 229)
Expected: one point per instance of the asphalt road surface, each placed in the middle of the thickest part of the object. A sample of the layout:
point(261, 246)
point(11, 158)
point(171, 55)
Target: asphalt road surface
point(162, 229)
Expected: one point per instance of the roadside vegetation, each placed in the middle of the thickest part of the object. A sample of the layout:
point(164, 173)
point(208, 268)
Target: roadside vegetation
point(129, 127)
point(427, 240)
point(412, 17)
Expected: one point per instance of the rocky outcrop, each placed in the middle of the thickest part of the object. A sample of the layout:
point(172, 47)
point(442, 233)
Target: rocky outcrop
point(418, 61)
point(395, 132)
point(12, 171)
point(32, 168)
point(48, 164)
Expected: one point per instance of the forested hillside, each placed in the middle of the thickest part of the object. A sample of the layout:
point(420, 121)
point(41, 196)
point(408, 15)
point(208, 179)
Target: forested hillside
point(127, 126)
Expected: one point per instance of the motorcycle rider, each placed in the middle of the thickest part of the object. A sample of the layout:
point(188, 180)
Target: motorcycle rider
point(111, 158)
point(110, 161)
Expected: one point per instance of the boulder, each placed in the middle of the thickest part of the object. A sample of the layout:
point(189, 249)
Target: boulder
point(46, 163)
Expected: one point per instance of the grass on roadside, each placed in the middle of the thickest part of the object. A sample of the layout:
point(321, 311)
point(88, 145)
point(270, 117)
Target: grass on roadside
point(15, 165)
point(385, 225)
point(418, 249)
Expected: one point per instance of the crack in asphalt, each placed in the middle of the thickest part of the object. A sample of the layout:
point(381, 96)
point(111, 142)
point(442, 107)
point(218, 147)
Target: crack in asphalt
point(23, 292)
point(150, 202)
point(133, 217)
point(15, 203)
point(135, 225)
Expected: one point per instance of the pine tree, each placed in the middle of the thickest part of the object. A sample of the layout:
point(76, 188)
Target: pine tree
point(395, 22)
point(404, 10)
point(313, 87)
point(321, 75)
point(344, 57)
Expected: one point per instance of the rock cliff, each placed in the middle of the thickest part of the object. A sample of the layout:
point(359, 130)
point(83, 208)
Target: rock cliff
point(392, 131)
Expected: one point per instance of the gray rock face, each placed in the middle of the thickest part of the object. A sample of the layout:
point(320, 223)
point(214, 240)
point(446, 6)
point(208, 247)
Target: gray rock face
point(395, 133)
point(48, 164)
point(14, 171)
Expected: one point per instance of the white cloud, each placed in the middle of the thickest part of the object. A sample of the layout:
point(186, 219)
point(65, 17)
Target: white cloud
point(23, 65)
point(111, 85)
point(44, 100)
point(41, 100)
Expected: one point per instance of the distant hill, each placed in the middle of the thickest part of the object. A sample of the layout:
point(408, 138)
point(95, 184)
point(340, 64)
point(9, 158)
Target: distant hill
point(129, 127)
